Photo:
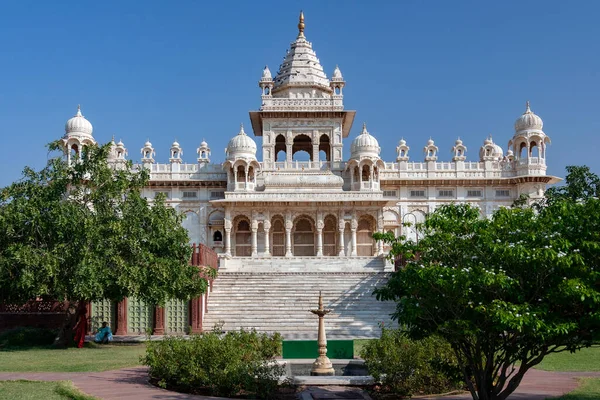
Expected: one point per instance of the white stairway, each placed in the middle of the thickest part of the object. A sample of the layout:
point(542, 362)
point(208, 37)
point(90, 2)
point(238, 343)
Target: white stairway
point(280, 302)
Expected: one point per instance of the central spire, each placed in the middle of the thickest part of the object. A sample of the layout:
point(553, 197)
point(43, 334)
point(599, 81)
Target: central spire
point(301, 25)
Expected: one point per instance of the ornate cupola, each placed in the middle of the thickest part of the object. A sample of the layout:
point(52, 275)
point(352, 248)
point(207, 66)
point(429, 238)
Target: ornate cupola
point(337, 82)
point(430, 151)
point(528, 144)
point(490, 151)
point(176, 153)
point(459, 150)
point(240, 163)
point(203, 153)
point(241, 146)
point(402, 150)
point(365, 146)
point(78, 133)
point(364, 164)
point(266, 82)
point(148, 153)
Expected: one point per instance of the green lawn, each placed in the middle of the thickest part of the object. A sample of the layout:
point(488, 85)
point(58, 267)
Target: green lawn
point(34, 390)
point(583, 360)
point(589, 390)
point(92, 358)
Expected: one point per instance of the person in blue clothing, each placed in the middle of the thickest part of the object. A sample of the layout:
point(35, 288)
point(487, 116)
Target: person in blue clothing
point(104, 334)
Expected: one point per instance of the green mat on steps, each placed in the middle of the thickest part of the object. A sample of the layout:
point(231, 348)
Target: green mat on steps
point(336, 349)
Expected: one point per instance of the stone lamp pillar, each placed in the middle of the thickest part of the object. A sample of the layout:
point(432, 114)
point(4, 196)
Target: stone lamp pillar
point(322, 365)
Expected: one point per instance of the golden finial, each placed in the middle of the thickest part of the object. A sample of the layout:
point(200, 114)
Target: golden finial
point(301, 25)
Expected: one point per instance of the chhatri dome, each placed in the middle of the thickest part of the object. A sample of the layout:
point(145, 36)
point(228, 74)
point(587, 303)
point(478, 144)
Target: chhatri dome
point(528, 121)
point(301, 67)
point(241, 146)
point(78, 124)
point(364, 145)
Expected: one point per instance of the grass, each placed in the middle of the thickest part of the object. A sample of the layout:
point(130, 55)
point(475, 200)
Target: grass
point(589, 390)
point(587, 359)
point(34, 390)
point(91, 358)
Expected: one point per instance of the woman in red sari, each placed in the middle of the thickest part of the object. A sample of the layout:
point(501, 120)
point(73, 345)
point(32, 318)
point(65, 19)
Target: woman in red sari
point(81, 327)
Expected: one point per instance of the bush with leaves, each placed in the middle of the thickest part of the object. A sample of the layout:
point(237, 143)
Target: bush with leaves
point(27, 337)
point(405, 367)
point(217, 364)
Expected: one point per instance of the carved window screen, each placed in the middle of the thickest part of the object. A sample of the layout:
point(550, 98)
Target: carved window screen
point(329, 237)
point(243, 237)
point(364, 238)
point(278, 240)
point(304, 239)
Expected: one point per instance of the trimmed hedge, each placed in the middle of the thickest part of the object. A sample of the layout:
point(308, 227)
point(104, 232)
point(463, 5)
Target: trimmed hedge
point(406, 367)
point(27, 337)
point(232, 364)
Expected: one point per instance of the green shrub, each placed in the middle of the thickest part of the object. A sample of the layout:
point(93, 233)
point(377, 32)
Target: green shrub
point(27, 337)
point(406, 367)
point(231, 364)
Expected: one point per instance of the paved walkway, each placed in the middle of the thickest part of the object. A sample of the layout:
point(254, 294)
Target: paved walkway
point(132, 384)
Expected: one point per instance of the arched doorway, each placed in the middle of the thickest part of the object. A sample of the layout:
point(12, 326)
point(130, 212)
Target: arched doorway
point(302, 143)
point(324, 148)
point(304, 238)
point(280, 149)
point(365, 243)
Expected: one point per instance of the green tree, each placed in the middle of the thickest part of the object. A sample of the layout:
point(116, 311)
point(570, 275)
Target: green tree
point(84, 232)
point(504, 291)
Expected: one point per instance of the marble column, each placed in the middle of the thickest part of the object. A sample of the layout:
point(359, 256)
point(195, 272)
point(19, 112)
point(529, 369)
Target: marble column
point(267, 227)
point(246, 182)
point(228, 241)
point(342, 250)
point(319, 242)
point(289, 224)
point(353, 228)
point(254, 242)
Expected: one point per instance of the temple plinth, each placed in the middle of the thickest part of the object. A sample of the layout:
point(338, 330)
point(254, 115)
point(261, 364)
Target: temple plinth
point(322, 365)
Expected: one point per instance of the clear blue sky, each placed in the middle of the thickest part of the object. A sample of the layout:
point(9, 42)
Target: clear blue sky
point(189, 70)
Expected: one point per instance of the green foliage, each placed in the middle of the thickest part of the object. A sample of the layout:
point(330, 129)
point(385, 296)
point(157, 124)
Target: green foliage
point(505, 290)
point(85, 232)
point(407, 367)
point(217, 364)
point(27, 337)
point(33, 390)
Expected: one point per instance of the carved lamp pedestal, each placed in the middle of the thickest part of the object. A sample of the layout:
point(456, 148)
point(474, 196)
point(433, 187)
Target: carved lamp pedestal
point(322, 365)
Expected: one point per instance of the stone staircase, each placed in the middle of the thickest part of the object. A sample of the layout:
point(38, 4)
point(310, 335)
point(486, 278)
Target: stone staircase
point(280, 301)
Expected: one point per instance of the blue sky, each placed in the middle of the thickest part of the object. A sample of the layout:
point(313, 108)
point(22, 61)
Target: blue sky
point(188, 70)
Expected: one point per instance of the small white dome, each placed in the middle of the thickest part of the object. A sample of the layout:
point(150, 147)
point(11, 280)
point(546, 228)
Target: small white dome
point(528, 121)
point(78, 124)
point(402, 142)
point(490, 150)
point(120, 144)
point(430, 142)
point(266, 74)
point(241, 145)
point(203, 144)
point(458, 142)
point(365, 145)
point(509, 153)
point(337, 74)
point(175, 144)
point(147, 144)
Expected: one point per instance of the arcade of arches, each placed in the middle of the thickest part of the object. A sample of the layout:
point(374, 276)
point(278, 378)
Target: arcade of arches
point(302, 236)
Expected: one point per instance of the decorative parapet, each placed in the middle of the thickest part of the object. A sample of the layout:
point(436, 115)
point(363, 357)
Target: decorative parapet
point(269, 103)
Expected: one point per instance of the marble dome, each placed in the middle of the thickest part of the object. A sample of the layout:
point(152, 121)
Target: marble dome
point(365, 145)
point(78, 124)
point(242, 146)
point(528, 121)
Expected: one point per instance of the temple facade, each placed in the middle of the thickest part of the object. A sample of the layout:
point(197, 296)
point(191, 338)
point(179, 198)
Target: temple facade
point(263, 209)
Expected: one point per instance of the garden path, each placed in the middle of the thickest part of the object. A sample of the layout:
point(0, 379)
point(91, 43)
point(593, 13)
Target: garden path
point(132, 384)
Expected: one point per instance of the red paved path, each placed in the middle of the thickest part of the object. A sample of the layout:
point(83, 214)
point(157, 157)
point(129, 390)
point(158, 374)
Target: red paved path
point(132, 384)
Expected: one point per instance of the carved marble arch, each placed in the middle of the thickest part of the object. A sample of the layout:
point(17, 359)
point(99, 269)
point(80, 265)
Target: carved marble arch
point(242, 236)
point(330, 235)
point(277, 236)
point(280, 147)
point(302, 143)
point(365, 244)
point(325, 147)
point(303, 236)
